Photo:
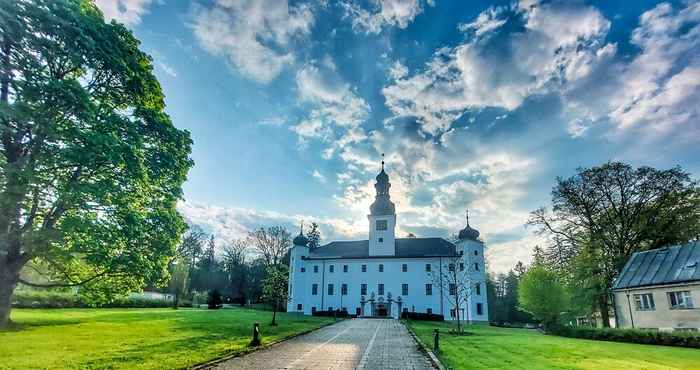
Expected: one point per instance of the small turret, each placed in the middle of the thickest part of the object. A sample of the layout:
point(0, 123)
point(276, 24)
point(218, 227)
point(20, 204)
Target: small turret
point(300, 239)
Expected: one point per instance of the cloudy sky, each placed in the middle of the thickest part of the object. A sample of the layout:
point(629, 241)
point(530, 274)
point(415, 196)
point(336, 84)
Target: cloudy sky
point(476, 104)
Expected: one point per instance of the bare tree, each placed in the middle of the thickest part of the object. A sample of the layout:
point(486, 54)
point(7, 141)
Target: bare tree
point(270, 244)
point(234, 258)
point(457, 285)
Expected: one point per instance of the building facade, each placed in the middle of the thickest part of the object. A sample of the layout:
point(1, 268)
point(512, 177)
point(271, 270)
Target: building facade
point(385, 275)
point(659, 289)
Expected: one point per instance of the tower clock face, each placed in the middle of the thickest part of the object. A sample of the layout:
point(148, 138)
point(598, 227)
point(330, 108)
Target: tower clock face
point(381, 225)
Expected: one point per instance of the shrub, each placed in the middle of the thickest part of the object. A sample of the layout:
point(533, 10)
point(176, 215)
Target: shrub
point(422, 316)
point(332, 313)
point(214, 301)
point(664, 338)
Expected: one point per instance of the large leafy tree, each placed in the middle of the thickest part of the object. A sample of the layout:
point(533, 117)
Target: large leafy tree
point(542, 294)
point(601, 215)
point(90, 165)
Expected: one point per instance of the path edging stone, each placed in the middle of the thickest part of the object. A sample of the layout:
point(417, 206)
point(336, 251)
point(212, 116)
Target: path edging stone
point(248, 350)
point(433, 358)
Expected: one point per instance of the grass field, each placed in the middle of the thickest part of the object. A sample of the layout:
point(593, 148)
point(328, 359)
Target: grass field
point(501, 348)
point(136, 338)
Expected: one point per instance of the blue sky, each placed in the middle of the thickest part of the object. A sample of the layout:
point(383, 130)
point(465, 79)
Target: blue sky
point(477, 104)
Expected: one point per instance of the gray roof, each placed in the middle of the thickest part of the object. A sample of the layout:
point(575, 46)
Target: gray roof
point(671, 265)
point(405, 248)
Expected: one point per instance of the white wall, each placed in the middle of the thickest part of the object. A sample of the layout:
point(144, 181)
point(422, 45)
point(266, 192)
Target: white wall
point(393, 277)
point(662, 317)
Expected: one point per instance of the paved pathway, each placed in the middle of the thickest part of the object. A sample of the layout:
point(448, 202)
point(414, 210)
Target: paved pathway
point(349, 344)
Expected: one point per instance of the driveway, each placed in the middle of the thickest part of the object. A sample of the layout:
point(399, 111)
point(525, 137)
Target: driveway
point(349, 344)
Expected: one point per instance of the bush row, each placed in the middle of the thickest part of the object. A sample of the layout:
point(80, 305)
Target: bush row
point(422, 316)
point(332, 313)
point(664, 338)
point(48, 299)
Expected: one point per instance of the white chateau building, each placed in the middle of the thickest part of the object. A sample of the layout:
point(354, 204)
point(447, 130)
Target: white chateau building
point(385, 275)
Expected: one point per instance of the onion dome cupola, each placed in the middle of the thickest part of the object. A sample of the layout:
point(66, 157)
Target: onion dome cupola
point(300, 239)
point(382, 203)
point(469, 233)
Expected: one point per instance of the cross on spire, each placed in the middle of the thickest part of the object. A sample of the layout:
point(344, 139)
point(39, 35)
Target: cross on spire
point(467, 214)
point(382, 161)
point(301, 228)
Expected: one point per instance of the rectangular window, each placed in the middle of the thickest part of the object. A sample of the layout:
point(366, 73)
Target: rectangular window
point(363, 289)
point(428, 289)
point(380, 289)
point(478, 288)
point(680, 300)
point(381, 225)
point(313, 309)
point(451, 267)
point(330, 289)
point(314, 289)
point(331, 268)
point(429, 311)
point(299, 307)
point(381, 267)
point(453, 289)
point(364, 268)
point(404, 267)
point(476, 253)
point(476, 266)
point(345, 268)
point(479, 309)
point(644, 302)
point(453, 312)
point(404, 289)
point(428, 267)
point(303, 269)
point(316, 269)
point(344, 289)
point(461, 266)
point(380, 240)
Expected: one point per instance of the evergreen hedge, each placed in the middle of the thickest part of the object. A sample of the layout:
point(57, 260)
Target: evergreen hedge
point(664, 338)
point(54, 299)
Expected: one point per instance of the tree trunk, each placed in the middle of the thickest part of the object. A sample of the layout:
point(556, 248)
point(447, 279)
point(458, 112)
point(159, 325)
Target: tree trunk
point(9, 277)
point(274, 316)
point(176, 300)
point(603, 307)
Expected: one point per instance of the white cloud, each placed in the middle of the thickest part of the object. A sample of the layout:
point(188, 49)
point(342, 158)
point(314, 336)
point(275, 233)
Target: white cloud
point(558, 43)
point(232, 222)
point(660, 87)
point(128, 12)
point(169, 70)
point(383, 13)
point(337, 112)
point(318, 176)
point(398, 70)
point(256, 36)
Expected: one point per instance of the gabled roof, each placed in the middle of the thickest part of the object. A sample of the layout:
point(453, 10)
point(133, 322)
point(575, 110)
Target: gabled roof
point(405, 248)
point(670, 265)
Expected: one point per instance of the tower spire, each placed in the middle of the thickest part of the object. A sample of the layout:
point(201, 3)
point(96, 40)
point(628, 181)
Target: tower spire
point(382, 161)
point(467, 213)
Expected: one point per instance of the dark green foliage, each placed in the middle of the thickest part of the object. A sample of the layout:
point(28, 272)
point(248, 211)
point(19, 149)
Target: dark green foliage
point(422, 316)
point(314, 235)
point(502, 293)
point(214, 301)
point(664, 338)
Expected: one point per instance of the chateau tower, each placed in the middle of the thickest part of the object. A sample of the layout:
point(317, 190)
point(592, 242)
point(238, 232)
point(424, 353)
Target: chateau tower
point(382, 219)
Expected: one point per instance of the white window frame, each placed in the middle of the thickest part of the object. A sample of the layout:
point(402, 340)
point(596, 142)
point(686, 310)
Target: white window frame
point(683, 298)
point(644, 302)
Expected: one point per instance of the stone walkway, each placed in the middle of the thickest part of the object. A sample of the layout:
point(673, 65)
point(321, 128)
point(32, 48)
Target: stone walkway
point(349, 344)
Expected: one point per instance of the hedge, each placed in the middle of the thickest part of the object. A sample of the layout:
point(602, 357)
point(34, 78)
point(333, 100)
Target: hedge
point(332, 313)
point(49, 299)
point(664, 338)
point(422, 316)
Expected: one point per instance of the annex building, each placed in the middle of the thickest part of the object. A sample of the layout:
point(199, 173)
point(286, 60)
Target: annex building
point(383, 275)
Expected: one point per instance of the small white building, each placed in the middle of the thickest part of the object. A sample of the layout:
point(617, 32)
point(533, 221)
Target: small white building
point(659, 289)
point(385, 275)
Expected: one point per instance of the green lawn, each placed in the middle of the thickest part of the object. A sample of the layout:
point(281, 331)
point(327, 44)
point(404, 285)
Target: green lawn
point(136, 338)
point(501, 348)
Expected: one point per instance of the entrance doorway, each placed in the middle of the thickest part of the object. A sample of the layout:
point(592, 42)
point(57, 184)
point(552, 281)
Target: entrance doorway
point(382, 310)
